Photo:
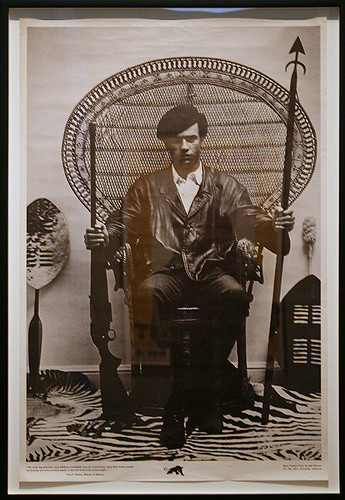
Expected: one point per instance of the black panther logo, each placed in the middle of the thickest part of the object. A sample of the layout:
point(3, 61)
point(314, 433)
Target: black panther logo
point(177, 470)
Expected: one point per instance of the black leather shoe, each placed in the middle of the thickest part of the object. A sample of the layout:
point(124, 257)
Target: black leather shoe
point(173, 433)
point(211, 421)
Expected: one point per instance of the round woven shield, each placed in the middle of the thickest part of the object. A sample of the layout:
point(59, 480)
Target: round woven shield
point(47, 242)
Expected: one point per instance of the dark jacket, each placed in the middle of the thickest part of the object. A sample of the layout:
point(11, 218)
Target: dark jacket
point(164, 237)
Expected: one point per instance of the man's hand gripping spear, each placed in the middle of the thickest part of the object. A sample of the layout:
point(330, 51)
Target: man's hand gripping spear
point(277, 317)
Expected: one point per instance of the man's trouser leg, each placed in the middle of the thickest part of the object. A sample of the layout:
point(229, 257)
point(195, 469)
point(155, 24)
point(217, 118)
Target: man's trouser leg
point(217, 381)
point(155, 299)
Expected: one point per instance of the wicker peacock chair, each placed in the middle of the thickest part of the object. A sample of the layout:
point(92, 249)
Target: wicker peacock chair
point(247, 117)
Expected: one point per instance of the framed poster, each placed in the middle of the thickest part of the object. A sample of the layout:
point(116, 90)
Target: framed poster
point(111, 73)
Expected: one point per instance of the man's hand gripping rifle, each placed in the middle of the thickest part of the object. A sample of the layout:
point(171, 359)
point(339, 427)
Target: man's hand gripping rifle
point(115, 401)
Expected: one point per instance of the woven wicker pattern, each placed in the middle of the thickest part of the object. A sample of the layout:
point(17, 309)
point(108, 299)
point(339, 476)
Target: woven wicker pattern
point(245, 110)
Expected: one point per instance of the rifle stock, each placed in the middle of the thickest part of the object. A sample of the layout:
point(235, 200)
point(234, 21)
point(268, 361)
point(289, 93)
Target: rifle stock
point(115, 401)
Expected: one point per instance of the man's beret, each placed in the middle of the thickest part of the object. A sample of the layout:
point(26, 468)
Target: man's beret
point(178, 119)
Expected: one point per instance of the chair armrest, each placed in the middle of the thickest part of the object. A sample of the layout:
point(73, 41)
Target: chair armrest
point(248, 262)
point(122, 265)
point(253, 270)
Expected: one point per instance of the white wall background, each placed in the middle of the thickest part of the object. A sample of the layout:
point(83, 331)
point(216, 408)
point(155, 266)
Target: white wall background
point(63, 64)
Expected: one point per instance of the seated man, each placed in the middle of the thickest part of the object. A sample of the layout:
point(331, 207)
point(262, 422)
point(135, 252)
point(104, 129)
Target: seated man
point(183, 224)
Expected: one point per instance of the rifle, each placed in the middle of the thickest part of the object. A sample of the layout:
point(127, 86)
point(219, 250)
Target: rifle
point(115, 401)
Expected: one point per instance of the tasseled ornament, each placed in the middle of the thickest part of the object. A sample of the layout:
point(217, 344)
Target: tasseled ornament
point(247, 247)
point(309, 238)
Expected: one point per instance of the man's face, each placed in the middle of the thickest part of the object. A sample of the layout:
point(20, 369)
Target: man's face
point(185, 148)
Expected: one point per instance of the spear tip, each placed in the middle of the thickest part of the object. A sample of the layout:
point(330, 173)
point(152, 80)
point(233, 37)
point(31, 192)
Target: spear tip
point(297, 46)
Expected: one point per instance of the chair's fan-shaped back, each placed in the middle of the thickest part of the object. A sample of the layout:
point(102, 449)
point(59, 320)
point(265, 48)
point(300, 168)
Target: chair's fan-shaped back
point(246, 113)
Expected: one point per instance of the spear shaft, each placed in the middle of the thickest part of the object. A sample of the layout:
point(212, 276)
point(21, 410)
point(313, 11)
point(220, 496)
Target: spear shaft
point(282, 237)
point(289, 137)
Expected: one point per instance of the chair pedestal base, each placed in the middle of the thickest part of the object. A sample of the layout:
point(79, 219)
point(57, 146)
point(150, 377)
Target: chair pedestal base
point(199, 374)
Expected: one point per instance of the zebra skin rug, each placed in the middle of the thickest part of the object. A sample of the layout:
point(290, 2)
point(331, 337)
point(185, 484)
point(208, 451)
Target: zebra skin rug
point(55, 429)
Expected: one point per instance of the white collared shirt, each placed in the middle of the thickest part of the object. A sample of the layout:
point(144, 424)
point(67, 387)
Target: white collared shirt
point(188, 187)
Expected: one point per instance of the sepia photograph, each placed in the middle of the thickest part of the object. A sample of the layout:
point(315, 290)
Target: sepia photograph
point(175, 284)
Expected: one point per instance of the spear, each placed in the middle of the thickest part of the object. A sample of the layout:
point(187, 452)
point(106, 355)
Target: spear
point(276, 312)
